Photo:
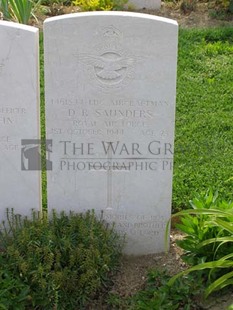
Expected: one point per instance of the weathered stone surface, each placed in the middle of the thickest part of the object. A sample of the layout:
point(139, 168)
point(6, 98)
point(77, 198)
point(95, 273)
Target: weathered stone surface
point(19, 117)
point(110, 106)
point(145, 4)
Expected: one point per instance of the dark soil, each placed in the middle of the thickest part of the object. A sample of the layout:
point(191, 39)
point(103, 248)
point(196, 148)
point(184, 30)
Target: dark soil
point(132, 275)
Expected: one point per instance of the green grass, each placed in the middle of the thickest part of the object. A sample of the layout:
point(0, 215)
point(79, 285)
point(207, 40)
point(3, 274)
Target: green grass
point(204, 114)
point(204, 127)
point(42, 119)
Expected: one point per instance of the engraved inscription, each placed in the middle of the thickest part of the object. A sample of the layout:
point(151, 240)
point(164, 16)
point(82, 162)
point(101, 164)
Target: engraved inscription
point(7, 144)
point(10, 115)
point(141, 225)
point(113, 102)
point(119, 116)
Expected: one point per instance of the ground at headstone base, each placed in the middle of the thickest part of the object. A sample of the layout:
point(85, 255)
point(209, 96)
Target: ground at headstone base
point(133, 275)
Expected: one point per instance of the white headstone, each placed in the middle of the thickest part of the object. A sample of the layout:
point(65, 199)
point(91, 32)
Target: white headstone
point(145, 4)
point(19, 118)
point(110, 105)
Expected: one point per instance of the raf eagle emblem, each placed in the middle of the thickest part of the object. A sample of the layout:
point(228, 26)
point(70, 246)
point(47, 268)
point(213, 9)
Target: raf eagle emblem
point(110, 68)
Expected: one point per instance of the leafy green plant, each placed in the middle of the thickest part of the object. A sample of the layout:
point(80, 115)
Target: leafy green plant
point(100, 5)
point(158, 295)
point(17, 10)
point(216, 242)
point(14, 294)
point(199, 228)
point(4, 8)
point(64, 260)
point(22, 10)
point(114, 301)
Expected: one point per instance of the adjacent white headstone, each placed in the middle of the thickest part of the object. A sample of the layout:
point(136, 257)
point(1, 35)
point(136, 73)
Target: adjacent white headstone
point(144, 4)
point(110, 105)
point(19, 118)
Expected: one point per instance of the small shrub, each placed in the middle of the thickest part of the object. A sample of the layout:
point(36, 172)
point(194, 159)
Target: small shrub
point(221, 9)
point(226, 4)
point(187, 6)
point(100, 5)
point(64, 260)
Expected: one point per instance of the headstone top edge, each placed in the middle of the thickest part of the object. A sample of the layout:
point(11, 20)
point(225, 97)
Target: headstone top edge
point(19, 26)
point(110, 13)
